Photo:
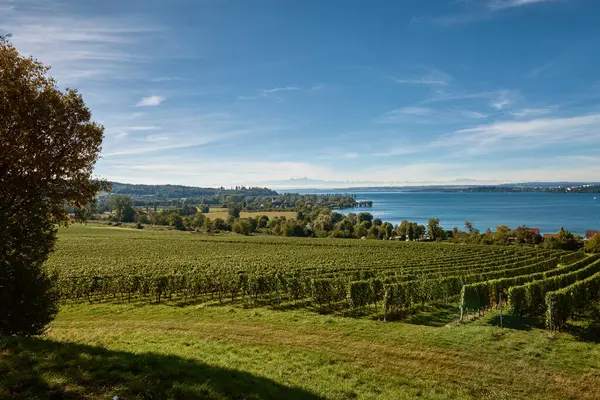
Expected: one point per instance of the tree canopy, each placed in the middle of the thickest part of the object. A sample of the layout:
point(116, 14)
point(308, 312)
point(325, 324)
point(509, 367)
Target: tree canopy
point(49, 145)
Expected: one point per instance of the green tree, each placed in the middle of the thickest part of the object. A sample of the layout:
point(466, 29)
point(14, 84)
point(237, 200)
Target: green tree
point(593, 244)
point(567, 240)
point(119, 204)
point(361, 229)
point(262, 221)
point(242, 226)
point(434, 230)
point(502, 234)
point(176, 221)
point(419, 230)
point(402, 229)
point(525, 235)
point(564, 240)
point(128, 214)
point(233, 211)
point(470, 228)
point(410, 232)
point(387, 229)
point(49, 146)
point(365, 217)
point(218, 224)
point(373, 232)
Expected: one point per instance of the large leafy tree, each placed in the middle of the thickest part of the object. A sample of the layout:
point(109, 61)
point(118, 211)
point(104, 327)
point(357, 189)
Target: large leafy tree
point(48, 147)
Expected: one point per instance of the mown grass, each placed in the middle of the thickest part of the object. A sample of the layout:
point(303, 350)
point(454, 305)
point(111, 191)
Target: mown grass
point(158, 351)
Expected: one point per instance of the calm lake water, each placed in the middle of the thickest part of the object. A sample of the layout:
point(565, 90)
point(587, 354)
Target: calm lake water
point(546, 211)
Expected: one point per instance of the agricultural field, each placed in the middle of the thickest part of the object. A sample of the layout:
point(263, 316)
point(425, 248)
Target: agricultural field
point(377, 279)
point(99, 264)
point(216, 212)
point(166, 314)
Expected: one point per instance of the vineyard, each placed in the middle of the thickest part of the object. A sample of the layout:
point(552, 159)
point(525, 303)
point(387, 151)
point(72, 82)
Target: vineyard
point(381, 278)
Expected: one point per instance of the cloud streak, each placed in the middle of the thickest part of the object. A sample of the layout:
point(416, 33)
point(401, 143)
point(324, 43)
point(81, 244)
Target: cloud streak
point(498, 5)
point(519, 135)
point(281, 89)
point(477, 11)
point(434, 77)
point(150, 101)
point(270, 93)
point(79, 48)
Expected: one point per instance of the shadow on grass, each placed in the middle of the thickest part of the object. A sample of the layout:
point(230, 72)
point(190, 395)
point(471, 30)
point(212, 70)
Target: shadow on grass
point(44, 369)
point(589, 332)
point(433, 314)
point(511, 321)
point(587, 326)
point(292, 305)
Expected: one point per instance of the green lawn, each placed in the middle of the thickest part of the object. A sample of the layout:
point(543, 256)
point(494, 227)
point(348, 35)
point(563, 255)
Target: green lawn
point(160, 351)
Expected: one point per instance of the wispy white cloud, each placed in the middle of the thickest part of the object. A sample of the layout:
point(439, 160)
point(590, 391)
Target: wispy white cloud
point(336, 154)
point(281, 89)
point(519, 135)
point(422, 81)
point(140, 128)
point(539, 70)
point(177, 129)
point(504, 99)
point(507, 135)
point(150, 101)
point(433, 77)
point(124, 131)
point(165, 79)
point(457, 94)
point(411, 111)
point(470, 114)
point(209, 171)
point(430, 115)
point(400, 150)
point(529, 112)
point(460, 18)
point(78, 47)
point(156, 138)
point(476, 11)
point(497, 5)
point(269, 93)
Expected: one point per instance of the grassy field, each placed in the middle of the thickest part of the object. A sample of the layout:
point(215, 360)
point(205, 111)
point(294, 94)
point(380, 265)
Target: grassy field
point(155, 352)
point(222, 213)
point(144, 350)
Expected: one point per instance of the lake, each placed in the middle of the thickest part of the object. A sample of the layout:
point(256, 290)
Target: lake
point(577, 212)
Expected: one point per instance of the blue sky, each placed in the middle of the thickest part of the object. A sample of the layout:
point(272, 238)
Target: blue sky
point(348, 92)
